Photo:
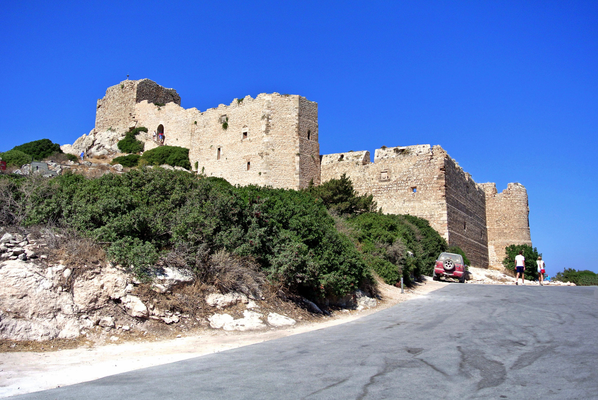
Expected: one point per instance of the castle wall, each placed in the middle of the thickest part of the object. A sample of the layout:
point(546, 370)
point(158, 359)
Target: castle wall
point(116, 110)
point(403, 180)
point(270, 140)
point(466, 213)
point(507, 217)
point(422, 181)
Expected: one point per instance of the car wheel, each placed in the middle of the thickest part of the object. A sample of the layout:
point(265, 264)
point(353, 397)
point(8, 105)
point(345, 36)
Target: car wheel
point(449, 265)
point(462, 279)
point(435, 277)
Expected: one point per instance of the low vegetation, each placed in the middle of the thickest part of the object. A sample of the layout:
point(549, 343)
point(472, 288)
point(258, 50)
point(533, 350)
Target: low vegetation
point(39, 149)
point(147, 219)
point(170, 155)
point(128, 161)
point(130, 144)
point(580, 278)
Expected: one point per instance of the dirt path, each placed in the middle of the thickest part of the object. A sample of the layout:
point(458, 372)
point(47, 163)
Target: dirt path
point(25, 372)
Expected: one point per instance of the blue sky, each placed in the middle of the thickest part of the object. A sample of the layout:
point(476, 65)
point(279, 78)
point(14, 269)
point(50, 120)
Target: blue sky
point(508, 88)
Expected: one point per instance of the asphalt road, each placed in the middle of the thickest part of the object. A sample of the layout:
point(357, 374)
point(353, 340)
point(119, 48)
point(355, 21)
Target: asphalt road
point(460, 342)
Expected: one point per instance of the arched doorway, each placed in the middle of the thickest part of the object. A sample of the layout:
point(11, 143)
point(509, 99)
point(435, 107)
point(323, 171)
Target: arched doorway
point(160, 132)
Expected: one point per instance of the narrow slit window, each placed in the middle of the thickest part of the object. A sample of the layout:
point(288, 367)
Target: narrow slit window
point(248, 165)
point(414, 189)
point(245, 135)
point(218, 154)
point(308, 135)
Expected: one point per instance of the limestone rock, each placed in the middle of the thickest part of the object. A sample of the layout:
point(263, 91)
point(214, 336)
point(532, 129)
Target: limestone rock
point(278, 320)
point(250, 321)
point(226, 300)
point(135, 306)
point(170, 277)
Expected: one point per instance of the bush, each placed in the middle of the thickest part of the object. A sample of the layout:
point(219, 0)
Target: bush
point(130, 144)
point(72, 157)
point(405, 245)
point(128, 161)
point(339, 197)
point(143, 213)
point(136, 255)
point(531, 255)
point(39, 149)
point(16, 158)
point(170, 155)
point(580, 278)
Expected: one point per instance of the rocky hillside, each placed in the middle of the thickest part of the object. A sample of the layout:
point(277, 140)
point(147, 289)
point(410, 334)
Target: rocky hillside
point(48, 294)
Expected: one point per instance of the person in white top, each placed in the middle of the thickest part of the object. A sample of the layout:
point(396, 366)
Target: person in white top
point(520, 267)
point(541, 270)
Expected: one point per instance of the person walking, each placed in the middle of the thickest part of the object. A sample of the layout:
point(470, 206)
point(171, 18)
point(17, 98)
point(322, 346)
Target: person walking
point(520, 267)
point(541, 270)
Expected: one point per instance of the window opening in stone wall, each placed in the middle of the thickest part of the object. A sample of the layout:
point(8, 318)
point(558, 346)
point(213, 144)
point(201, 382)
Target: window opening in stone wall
point(224, 121)
point(384, 175)
point(414, 189)
point(245, 135)
point(218, 154)
point(341, 157)
point(248, 165)
point(464, 225)
point(308, 135)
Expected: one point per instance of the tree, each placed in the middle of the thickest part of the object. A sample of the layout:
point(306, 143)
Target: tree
point(339, 197)
point(531, 255)
point(39, 149)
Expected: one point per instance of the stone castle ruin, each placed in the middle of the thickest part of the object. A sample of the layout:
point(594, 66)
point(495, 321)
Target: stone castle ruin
point(273, 140)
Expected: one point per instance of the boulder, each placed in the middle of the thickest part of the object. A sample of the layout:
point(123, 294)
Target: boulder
point(278, 320)
point(226, 300)
point(135, 306)
point(250, 321)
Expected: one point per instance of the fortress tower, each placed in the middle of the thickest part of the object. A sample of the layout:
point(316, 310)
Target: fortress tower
point(270, 140)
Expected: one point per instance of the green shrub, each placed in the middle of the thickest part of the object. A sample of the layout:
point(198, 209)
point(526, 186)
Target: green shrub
point(580, 278)
point(130, 144)
point(531, 255)
point(136, 255)
point(289, 234)
point(339, 197)
point(128, 161)
point(170, 155)
point(72, 157)
point(16, 158)
point(39, 149)
point(457, 250)
point(404, 241)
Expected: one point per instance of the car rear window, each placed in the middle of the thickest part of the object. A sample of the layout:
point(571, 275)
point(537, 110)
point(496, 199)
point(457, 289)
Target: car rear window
point(455, 257)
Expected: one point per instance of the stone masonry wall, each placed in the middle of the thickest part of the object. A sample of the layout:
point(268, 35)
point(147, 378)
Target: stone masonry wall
point(116, 110)
point(422, 181)
point(403, 180)
point(507, 216)
point(270, 140)
point(466, 213)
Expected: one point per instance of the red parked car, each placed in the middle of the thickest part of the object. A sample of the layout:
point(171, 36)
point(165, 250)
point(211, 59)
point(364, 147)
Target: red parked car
point(449, 264)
